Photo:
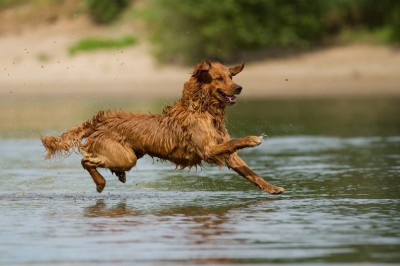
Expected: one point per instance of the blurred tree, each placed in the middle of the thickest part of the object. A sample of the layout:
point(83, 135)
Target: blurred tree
point(106, 11)
point(188, 31)
point(376, 14)
point(8, 3)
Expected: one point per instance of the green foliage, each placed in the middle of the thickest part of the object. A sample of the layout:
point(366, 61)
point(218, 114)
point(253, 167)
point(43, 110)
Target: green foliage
point(220, 30)
point(383, 13)
point(106, 11)
point(8, 3)
point(189, 31)
point(90, 44)
point(380, 19)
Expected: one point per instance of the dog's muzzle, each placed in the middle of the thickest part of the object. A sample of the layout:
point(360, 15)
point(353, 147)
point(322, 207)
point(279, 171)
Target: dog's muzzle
point(228, 98)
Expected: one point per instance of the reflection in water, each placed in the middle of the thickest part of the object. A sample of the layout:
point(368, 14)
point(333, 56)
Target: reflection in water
point(208, 222)
point(100, 209)
point(186, 232)
point(198, 223)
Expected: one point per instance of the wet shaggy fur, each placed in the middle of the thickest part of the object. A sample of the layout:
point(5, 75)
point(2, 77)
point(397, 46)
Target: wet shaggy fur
point(189, 132)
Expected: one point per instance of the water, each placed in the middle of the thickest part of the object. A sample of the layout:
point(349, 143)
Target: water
point(340, 167)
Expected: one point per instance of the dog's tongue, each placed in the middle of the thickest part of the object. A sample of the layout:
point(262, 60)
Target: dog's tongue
point(231, 98)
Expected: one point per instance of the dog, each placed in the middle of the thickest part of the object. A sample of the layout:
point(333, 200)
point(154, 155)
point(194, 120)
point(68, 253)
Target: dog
point(187, 133)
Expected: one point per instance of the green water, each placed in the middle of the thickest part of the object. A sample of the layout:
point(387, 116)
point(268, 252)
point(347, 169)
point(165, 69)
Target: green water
point(338, 159)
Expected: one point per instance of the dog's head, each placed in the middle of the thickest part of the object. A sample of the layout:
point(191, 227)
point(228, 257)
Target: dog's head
point(217, 80)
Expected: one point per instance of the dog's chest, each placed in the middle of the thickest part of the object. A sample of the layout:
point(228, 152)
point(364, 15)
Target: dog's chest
point(208, 132)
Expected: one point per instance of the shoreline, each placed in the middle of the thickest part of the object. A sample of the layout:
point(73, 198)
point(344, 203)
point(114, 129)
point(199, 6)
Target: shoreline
point(36, 62)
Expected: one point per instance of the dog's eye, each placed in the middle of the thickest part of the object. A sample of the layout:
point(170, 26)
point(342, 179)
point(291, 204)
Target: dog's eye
point(220, 79)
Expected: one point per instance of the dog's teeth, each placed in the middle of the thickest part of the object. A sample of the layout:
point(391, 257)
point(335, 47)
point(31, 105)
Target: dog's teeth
point(231, 98)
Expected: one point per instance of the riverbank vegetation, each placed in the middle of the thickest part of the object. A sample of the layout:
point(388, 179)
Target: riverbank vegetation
point(188, 31)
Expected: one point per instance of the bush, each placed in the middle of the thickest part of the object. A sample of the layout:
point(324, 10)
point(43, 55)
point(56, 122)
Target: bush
point(106, 11)
point(7, 3)
point(189, 31)
point(91, 44)
point(379, 14)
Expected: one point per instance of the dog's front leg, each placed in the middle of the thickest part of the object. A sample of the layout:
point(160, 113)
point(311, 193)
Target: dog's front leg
point(239, 166)
point(229, 147)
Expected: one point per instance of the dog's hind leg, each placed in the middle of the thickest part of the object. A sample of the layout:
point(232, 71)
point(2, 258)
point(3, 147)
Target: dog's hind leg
point(90, 164)
point(120, 174)
point(122, 159)
point(112, 155)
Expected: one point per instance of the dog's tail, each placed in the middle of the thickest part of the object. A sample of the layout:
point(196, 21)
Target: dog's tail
point(71, 139)
point(67, 141)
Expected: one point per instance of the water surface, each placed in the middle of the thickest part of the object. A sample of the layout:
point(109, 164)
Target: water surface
point(338, 160)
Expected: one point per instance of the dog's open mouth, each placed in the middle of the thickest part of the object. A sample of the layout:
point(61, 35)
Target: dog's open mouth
point(229, 99)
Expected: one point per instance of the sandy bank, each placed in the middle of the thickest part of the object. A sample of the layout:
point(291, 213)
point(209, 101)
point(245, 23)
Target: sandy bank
point(35, 61)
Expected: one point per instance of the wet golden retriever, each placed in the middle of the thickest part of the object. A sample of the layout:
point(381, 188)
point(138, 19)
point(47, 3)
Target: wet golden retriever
point(189, 132)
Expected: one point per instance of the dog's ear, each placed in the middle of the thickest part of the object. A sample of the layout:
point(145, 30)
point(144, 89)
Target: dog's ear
point(236, 69)
point(201, 72)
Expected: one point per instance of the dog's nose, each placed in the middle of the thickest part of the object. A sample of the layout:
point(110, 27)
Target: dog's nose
point(238, 89)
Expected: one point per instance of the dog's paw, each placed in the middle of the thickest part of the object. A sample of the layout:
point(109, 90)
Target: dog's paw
point(100, 188)
point(255, 140)
point(277, 190)
point(274, 190)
